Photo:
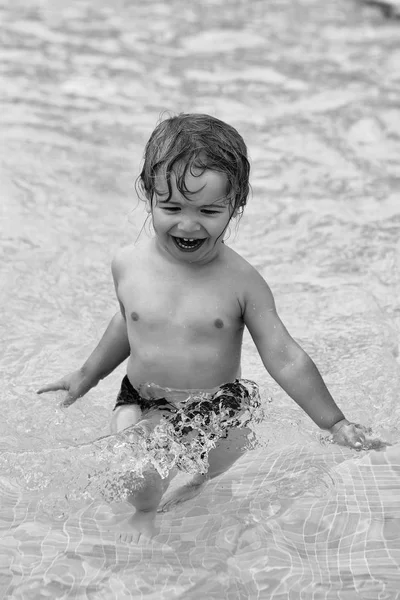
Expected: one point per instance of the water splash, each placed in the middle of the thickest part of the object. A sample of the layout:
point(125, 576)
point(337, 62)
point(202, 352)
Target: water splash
point(114, 466)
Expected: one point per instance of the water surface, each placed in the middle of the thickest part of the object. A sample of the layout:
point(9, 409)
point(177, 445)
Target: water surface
point(314, 89)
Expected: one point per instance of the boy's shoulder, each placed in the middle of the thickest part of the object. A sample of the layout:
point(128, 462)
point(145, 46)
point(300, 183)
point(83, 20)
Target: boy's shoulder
point(121, 256)
point(125, 257)
point(240, 264)
point(251, 283)
point(124, 253)
point(132, 250)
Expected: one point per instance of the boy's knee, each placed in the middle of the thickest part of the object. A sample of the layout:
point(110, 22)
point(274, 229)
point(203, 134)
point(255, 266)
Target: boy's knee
point(125, 416)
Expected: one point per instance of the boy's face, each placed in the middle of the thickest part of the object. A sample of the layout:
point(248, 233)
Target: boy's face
point(191, 230)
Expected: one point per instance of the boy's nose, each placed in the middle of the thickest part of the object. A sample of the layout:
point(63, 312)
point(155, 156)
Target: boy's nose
point(188, 225)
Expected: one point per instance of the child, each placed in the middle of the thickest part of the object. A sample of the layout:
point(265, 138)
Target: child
point(185, 298)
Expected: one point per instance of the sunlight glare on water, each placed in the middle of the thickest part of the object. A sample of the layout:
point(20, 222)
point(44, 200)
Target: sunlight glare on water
point(314, 90)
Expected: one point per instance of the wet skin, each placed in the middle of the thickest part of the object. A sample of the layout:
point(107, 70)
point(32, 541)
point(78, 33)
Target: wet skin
point(183, 308)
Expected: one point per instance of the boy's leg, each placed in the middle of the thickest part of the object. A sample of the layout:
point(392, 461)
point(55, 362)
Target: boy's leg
point(227, 451)
point(125, 416)
point(147, 498)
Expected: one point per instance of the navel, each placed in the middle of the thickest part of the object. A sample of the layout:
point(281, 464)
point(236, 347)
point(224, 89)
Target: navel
point(134, 316)
point(219, 323)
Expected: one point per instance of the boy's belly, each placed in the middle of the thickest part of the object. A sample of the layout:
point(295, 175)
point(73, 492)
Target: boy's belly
point(183, 368)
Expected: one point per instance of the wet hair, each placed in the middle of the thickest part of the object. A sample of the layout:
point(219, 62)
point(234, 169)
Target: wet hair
point(194, 143)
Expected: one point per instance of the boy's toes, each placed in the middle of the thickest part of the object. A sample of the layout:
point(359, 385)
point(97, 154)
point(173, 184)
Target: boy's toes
point(129, 537)
point(166, 506)
point(179, 496)
point(125, 538)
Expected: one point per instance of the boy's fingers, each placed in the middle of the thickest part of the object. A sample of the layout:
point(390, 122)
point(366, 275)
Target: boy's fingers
point(359, 440)
point(52, 387)
point(68, 400)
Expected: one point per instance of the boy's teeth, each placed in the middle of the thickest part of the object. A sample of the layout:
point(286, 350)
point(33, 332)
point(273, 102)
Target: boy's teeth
point(188, 243)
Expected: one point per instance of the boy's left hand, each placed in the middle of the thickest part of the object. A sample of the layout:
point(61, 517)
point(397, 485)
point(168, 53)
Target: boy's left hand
point(355, 436)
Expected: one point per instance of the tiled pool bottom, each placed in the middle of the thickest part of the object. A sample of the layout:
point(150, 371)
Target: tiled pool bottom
point(301, 523)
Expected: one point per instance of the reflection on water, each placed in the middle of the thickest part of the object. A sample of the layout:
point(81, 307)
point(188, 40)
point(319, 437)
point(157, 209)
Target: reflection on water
point(314, 89)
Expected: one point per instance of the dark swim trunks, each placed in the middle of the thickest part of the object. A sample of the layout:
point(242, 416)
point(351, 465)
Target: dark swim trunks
point(129, 395)
point(229, 401)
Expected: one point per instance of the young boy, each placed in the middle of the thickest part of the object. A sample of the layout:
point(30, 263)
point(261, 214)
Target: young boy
point(185, 298)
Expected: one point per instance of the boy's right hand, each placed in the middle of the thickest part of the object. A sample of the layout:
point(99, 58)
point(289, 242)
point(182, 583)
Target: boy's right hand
point(76, 384)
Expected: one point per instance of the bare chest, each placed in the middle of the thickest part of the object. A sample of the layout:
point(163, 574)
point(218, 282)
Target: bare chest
point(198, 307)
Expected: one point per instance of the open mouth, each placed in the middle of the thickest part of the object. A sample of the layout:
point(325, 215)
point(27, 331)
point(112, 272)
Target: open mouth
point(188, 244)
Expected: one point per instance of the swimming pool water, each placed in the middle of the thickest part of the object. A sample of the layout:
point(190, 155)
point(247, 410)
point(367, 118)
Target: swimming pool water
point(314, 89)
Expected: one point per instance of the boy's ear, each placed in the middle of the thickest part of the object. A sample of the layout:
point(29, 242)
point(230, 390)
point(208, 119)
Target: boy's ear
point(148, 204)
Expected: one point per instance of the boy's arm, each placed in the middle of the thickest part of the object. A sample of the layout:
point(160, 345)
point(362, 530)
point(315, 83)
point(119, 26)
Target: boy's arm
point(113, 347)
point(110, 352)
point(295, 372)
point(284, 359)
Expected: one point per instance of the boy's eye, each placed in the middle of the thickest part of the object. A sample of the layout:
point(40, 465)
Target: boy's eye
point(205, 211)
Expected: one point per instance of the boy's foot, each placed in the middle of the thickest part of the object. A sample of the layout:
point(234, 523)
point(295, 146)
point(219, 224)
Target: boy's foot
point(137, 529)
point(182, 494)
